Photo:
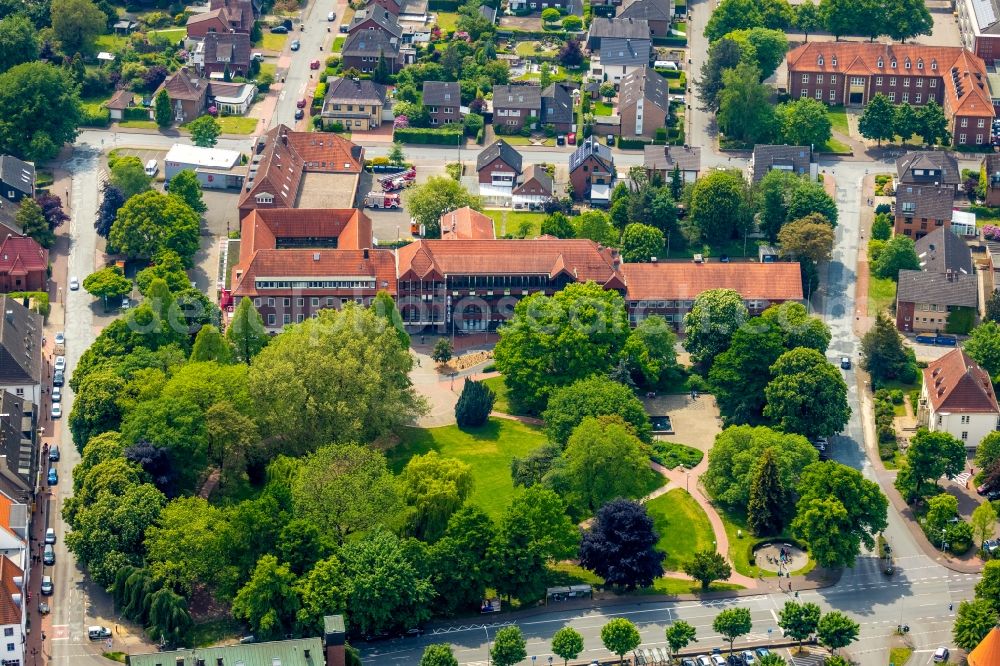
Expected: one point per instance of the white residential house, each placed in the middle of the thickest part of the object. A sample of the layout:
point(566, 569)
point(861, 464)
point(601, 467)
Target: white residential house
point(957, 397)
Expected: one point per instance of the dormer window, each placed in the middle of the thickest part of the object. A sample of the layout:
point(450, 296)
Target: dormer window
point(892, 64)
point(920, 64)
point(880, 63)
point(264, 198)
point(819, 60)
point(834, 61)
point(933, 64)
point(906, 64)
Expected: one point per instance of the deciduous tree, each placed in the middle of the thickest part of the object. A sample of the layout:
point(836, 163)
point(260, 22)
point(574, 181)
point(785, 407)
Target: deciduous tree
point(151, 222)
point(18, 41)
point(719, 205)
point(905, 19)
point(620, 636)
point(129, 175)
point(107, 283)
point(595, 396)
point(76, 24)
point(898, 254)
point(722, 55)
point(876, 122)
point(112, 199)
point(40, 105)
point(185, 185)
point(733, 623)
point(739, 374)
point(805, 121)
point(808, 18)
point(205, 131)
point(426, 203)
point(807, 394)
point(641, 243)
point(442, 351)
point(459, 565)
point(269, 601)
point(836, 630)
point(509, 646)
point(434, 487)
point(930, 455)
point(810, 237)
point(706, 567)
point(799, 620)
point(711, 323)
point(246, 332)
point(567, 643)
point(983, 346)
point(764, 47)
point(620, 546)
point(438, 654)
point(988, 587)
point(649, 351)
point(810, 197)
point(745, 112)
point(883, 354)
point(680, 634)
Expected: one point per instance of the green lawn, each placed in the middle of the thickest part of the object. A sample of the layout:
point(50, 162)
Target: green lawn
point(338, 44)
point(447, 21)
point(740, 547)
point(237, 125)
point(898, 656)
point(173, 34)
point(498, 386)
point(672, 454)
point(269, 68)
point(682, 586)
point(139, 124)
point(525, 141)
point(530, 49)
point(601, 108)
point(881, 294)
point(834, 146)
point(514, 221)
point(110, 43)
point(272, 42)
point(488, 450)
point(682, 525)
point(838, 119)
point(566, 573)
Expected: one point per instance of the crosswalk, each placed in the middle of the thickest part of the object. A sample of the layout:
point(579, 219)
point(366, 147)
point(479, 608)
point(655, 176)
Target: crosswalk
point(962, 478)
point(812, 658)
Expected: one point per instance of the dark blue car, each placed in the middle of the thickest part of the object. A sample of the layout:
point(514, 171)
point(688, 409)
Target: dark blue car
point(53, 476)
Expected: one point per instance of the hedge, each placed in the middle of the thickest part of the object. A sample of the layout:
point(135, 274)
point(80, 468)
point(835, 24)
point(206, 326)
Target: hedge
point(632, 144)
point(675, 40)
point(135, 113)
point(420, 135)
point(95, 116)
point(41, 299)
point(444, 5)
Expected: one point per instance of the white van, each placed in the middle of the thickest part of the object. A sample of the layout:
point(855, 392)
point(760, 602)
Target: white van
point(665, 64)
point(96, 633)
point(151, 168)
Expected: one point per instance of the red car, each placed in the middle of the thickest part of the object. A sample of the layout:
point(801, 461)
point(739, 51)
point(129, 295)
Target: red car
point(301, 103)
point(571, 138)
point(314, 64)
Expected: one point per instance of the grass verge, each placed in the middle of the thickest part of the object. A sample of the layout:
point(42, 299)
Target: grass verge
point(488, 450)
point(881, 294)
point(526, 141)
point(139, 124)
point(567, 573)
point(682, 525)
point(898, 656)
point(516, 222)
point(835, 147)
point(237, 125)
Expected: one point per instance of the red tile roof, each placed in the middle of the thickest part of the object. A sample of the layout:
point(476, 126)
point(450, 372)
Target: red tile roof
point(963, 72)
point(987, 653)
point(283, 156)
point(466, 224)
point(954, 383)
point(20, 255)
point(10, 612)
point(312, 264)
point(753, 281)
point(260, 228)
point(582, 259)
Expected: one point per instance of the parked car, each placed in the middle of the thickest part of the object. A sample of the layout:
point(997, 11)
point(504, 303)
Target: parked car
point(718, 660)
point(60, 338)
point(54, 453)
point(53, 476)
point(56, 394)
point(258, 56)
point(126, 303)
point(687, 662)
point(58, 378)
point(344, 28)
point(49, 555)
point(97, 633)
point(703, 660)
point(561, 140)
point(74, 284)
point(50, 535)
point(748, 657)
point(279, 30)
point(295, 45)
point(60, 363)
point(940, 655)
point(611, 139)
point(331, 17)
point(845, 362)
point(314, 64)
point(301, 103)
point(46, 585)
point(571, 138)
point(299, 114)
point(56, 410)
point(762, 652)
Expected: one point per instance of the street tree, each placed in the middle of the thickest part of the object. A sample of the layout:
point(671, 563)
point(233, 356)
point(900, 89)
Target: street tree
point(876, 122)
point(567, 643)
point(438, 654)
point(434, 488)
point(553, 341)
point(33, 224)
point(395, 154)
point(722, 55)
point(809, 198)
point(973, 621)
point(246, 332)
point(641, 243)
point(883, 354)
point(442, 351)
point(428, 202)
point(40, 105)
point(268, 603)
point(76, 24)
point(898, 254)
point(810, 237)
point(185, 185)
point(707, 566)
point(807, 394)
point(596, 396)
point(930, 455)
point(205, 131)
point(151, 222)
point(620, 636)
point(680, 634)
point(808, 18)
point(709, 326)
point(988, 587)
point(835, 630)
point(210, 345)
point(733, 459)
point(882, 227)
point(112, 198)
point(719, 206)
point(509, 646)
point(824, 489)
point(18, 41)
point(109, 282)
point(983, 346)
point(745, 112)
point(162, 110)
point(933, 124)
point(345, 489)
point(385, 307)
point(733, 623)
point(906, 19)
point(805, 121)
point(767, 509)
point(620, 546)
point(129, 175)
point(797, 327)
point(799, 620)
point(459, 565)
point(474, 404)
point(988, 451)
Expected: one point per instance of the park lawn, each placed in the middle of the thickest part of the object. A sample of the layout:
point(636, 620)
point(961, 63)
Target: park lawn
point(237, 124)
point(838, 119)
point(740, 547)
point(488, 450)
point(684, 586)
point(139, 124)
point(835, 147)
point(567, 573)
point(682, 525)
point(110, 43)
point(447, 21)
point(881, 294)
point(269, 41)
point(514, 221)
point(499, 388)
point(672, 454)
point(898, 656)
point(173, 34)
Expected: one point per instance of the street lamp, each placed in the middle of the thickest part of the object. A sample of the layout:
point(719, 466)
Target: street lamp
point(487, 645)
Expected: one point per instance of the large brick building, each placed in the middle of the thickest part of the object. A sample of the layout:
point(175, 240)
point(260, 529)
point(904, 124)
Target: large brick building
point(851, 73)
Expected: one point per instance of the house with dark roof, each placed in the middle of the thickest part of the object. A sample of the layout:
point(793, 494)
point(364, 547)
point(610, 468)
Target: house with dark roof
point(668, 289)
point(24, 265)
point(557, 107)
point(852, 73)
point(301, 170)
point(924, 300)
point(663, 159)
point(466, 224)
point(121, 100)
point(920, 209)
point(363, 49)
point(592, 172)
point(620, 55)
point(191, 95)
point(238, 14)
point(21, 371)
point(19, 458)
point(794, 159)
point(17, 178)
point(498, 166)
point(957, 397)
point(354, 103)
point(621, 28)
point(514, 104)
point(657, 13)
point(378, 19)
point(414, 10)
point(991, 165)
point(929, 168)
point(219, 53)
point(941, 251)
point(533, 189)
point(443, 102)
point(643, 103)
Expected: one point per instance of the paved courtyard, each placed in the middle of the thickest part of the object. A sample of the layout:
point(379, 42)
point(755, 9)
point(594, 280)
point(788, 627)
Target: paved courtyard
point(695, 421)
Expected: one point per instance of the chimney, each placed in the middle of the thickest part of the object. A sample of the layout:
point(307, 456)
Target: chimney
point(333, 640)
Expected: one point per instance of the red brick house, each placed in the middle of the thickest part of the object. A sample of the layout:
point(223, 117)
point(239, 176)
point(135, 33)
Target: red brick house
point(592, 172)
point(443, 101)
point(199, 25)
point(23, 265)
point(851, 73)
point(513, 105)
point(376, 18)
point(499, 164)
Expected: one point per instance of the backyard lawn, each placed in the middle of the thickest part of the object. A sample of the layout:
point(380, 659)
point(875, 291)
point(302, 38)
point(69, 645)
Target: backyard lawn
point(682, 525)
point(881, 294)
point(601, 108)
point(514, 221)
point(838, 119)
point(272, 42)
point(447, 21)
point(488, 450)
point(530, 49)
point(518, 140)
point(173, 34)
point(269, 68)
point(110, 43)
